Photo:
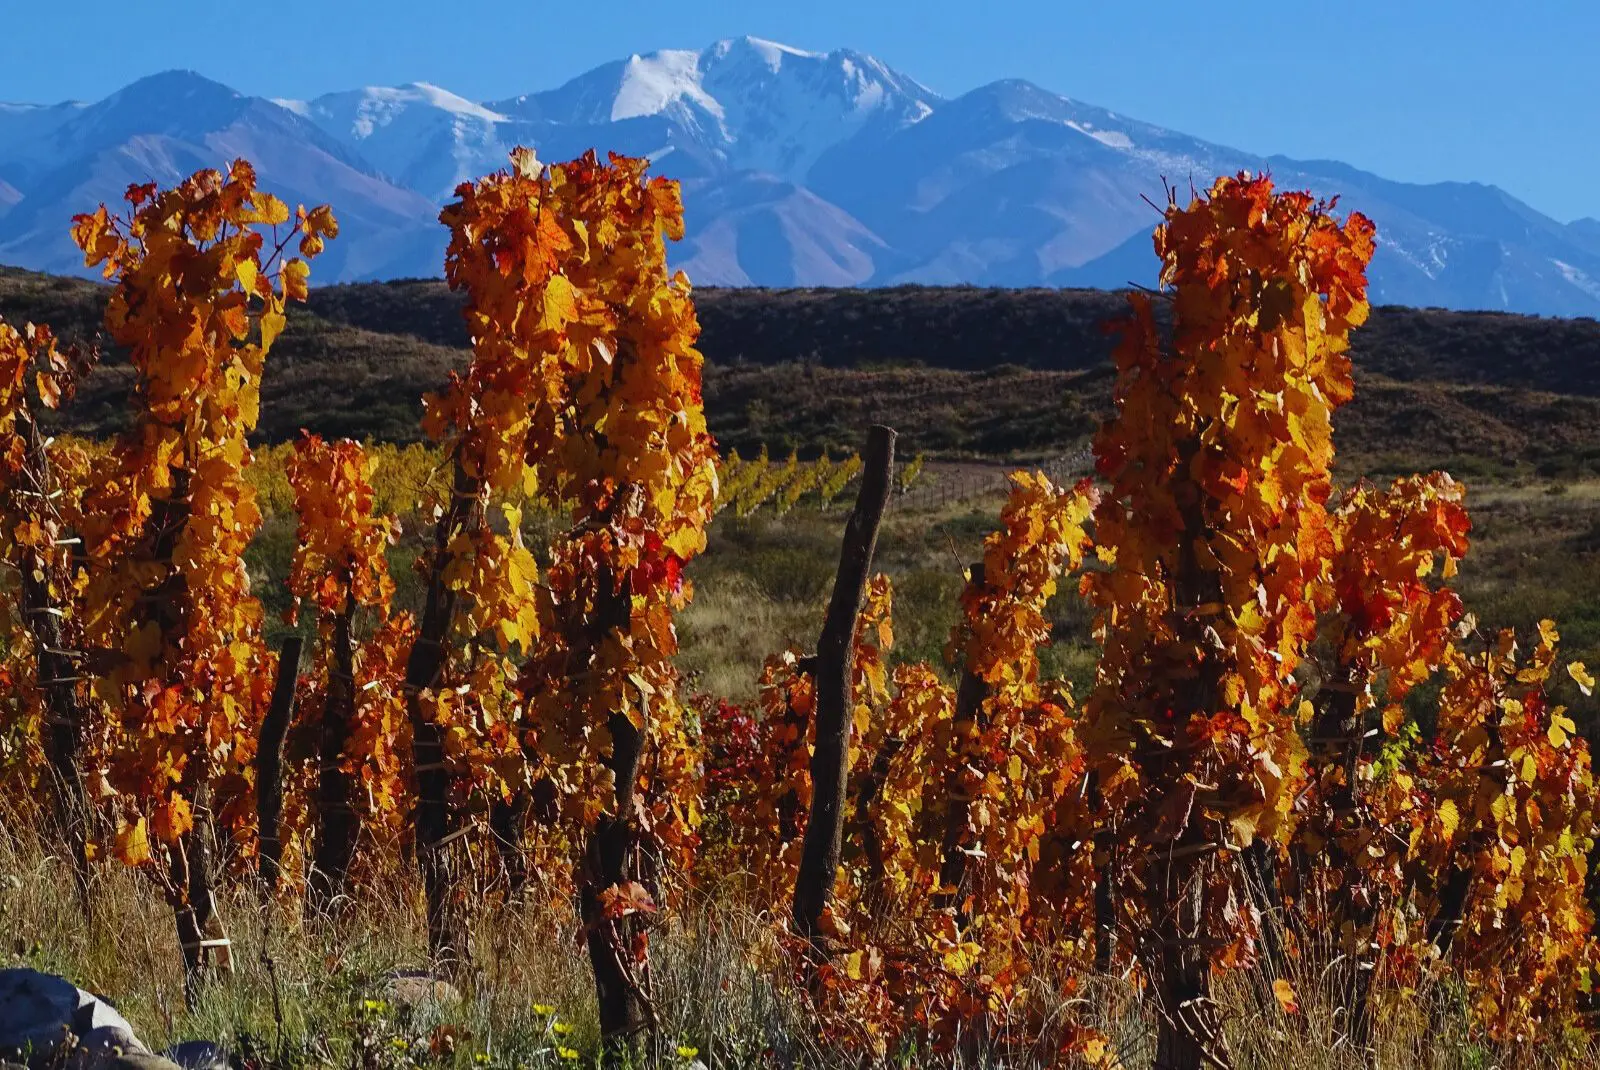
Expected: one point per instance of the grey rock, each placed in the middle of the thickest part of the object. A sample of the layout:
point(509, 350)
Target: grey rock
point(40, 1013)
point(135, 1061)
point(413, 988)
point(106, 1037)
point(36, 1012)
point(198, 1055)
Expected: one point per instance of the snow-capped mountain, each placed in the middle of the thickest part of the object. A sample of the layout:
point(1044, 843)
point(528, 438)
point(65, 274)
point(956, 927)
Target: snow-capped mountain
point(419, 135)
point(799, 168)
point(169, 125)
point(743, 104)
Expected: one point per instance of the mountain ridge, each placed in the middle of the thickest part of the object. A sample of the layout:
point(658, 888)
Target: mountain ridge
point(799, 168)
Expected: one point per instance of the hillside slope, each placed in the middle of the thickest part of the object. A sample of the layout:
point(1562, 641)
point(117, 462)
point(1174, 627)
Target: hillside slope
point(976, 328)
point(963, 371)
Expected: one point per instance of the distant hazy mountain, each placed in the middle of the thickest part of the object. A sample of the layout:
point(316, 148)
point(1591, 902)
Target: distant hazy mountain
point(799, 169)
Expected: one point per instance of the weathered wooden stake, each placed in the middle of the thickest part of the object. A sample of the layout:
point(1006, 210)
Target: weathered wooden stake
point(819, 858)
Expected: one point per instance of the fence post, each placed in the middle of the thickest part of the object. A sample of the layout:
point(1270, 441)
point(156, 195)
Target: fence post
point(819, 859)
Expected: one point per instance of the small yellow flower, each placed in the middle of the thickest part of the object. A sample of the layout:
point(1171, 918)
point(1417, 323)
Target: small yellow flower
point(567, 1053)
point(481, 1058)
point(375, 1006)
point(686, 1052)
point(543, 1009)
point(561, 1028)
point(399, 1044)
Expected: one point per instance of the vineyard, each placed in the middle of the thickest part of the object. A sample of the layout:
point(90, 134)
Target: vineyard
point(441, 782)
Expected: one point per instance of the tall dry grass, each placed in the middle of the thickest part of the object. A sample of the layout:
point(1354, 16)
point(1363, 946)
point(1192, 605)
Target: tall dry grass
point(314, 991)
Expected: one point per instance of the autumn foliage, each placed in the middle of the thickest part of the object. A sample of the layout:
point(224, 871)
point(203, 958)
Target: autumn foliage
point(1297, 755)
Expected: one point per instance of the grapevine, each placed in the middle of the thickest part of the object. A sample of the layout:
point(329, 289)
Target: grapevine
point(1300, 756)
point(1212, 527)
point(198, 300)
point(339, 568)
point(41, 484)
point(611, 420)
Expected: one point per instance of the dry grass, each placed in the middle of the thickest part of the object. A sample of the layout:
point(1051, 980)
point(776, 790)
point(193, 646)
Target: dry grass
point(312, 991)
point(763, 582)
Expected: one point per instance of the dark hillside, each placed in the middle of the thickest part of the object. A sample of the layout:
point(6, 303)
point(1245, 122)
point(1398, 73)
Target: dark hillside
point(960, 371)
point(962, 328)
point(326, 377)
point(968, 328)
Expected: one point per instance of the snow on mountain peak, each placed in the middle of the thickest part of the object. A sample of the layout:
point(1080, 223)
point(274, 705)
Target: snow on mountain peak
point(359, 113)
point(742, 103)
point(445, 100)
point(419, 134)
point(771, 53)
point(655, 83)
point(1115, 139)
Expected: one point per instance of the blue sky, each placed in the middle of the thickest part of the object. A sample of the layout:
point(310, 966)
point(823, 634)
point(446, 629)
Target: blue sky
point(1419, 90)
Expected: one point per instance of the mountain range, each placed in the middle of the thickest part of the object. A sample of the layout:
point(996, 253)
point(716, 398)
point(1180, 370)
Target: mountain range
point(798, 168)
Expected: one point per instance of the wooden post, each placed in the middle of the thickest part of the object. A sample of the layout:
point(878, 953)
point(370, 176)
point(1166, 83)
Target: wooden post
point(269, 761)
point(819, 858)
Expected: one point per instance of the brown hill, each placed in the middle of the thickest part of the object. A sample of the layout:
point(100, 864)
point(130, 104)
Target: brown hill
point(960, 371)
point(970, 328)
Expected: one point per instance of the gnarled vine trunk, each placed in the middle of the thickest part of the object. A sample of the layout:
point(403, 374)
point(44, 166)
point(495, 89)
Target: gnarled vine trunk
point(617, 943)
point(58, 661)
point(269, 762)
point(1336, 744)
point(338, 828)
point(611, 861)
point(447, 938)
point(1189, 1030)
point(202, 936)
point(971, 694)
point(1105, 887)
point(869, 793)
